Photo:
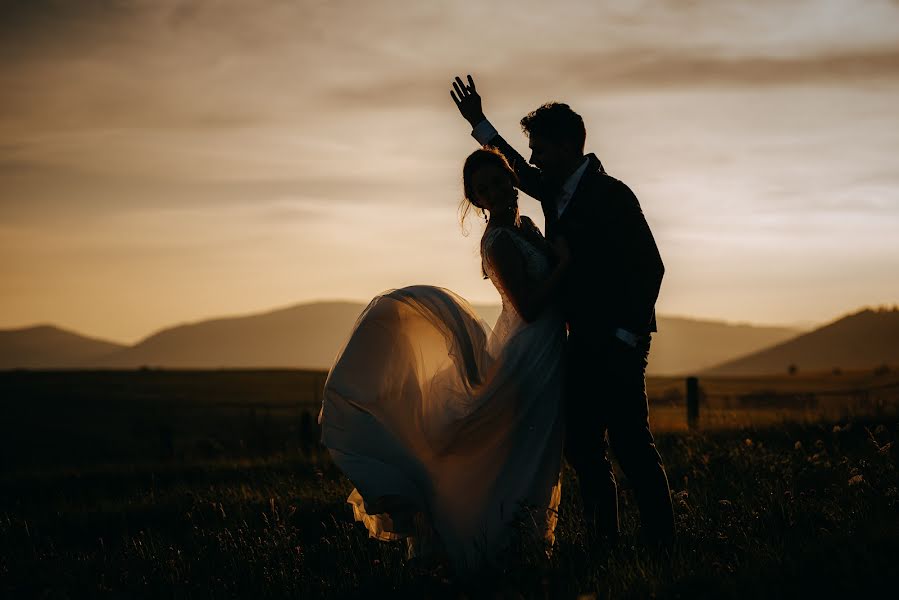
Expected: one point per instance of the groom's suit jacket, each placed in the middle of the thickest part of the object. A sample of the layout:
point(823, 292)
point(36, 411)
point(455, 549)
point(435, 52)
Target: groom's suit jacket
point(616, 270)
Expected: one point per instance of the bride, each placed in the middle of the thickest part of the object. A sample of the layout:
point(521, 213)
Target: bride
point(450, 432)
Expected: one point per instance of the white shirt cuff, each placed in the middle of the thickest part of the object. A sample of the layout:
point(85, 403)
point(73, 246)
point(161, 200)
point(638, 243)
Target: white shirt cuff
point(484, 132)
point(627, 337)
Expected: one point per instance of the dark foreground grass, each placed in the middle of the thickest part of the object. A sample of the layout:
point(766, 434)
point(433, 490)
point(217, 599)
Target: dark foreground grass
point(795, 511)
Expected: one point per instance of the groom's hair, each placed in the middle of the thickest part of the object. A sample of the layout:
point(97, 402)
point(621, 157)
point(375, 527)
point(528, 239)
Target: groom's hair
point(557, 122)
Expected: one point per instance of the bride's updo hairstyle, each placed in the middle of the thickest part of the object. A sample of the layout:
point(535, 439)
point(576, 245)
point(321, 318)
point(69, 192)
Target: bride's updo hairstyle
point(478, 159)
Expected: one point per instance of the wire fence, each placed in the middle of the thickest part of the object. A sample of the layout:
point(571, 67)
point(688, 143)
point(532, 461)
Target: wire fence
point(691, 403)
point(108, 416)
point(711, 407)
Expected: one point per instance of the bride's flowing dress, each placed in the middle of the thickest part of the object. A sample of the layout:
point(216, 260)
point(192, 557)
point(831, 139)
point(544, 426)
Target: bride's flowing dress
point(431, 415)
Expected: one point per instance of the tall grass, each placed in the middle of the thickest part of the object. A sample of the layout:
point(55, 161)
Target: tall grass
point(791, 511)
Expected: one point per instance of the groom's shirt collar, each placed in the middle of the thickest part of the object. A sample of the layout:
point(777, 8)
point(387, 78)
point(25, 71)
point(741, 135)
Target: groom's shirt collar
point(570, 186)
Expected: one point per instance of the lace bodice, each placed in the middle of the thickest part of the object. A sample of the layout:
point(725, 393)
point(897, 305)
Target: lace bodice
point(536, 263)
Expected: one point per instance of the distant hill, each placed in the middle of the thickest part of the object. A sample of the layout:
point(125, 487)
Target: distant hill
point(863, 340)
point(685, 346)
point(302, 336)
point(46, 346)
point(306, 335)
point(310, 335)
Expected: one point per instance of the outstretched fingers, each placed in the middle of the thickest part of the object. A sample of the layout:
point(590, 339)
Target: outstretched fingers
point(467, 99)
point(459, 87)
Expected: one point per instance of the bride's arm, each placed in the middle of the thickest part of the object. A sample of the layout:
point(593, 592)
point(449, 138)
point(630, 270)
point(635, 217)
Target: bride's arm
point(528, 298)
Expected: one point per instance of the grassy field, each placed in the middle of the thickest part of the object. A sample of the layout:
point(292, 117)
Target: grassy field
point(180, 484)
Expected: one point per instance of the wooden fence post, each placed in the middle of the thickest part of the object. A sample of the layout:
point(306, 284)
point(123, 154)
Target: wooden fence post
point(320, 387)
point(692, 402)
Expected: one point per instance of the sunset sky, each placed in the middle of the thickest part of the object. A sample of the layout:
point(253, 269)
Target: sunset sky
point(164, 162)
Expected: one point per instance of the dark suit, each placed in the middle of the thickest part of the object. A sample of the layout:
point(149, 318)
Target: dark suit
point(612, 283)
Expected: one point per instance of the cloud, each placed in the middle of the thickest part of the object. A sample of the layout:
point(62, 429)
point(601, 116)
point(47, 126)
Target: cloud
point(627, 71)
point(658, 69)
point(230, 64)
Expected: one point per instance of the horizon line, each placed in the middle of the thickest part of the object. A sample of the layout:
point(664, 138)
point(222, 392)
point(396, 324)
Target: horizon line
point(800, 327)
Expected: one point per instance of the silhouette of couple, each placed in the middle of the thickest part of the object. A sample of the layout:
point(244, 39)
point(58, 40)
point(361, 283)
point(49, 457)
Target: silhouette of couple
point(452, 432)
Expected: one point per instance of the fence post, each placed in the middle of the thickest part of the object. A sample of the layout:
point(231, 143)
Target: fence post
point(692, 402)
point(320, 386)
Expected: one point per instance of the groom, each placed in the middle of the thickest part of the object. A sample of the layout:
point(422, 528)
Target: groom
point(609, 300)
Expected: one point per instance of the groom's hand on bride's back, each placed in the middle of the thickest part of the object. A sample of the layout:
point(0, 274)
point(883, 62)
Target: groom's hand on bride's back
point(562, 250)
point(467, 100)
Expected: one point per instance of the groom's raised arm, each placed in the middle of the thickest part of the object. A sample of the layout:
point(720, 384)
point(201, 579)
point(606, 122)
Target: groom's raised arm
point(468, 101)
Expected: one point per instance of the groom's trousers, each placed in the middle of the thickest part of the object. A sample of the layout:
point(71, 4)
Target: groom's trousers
point(606, 394)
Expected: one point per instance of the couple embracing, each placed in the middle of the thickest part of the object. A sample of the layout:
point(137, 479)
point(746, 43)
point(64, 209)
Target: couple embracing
point(453, 433)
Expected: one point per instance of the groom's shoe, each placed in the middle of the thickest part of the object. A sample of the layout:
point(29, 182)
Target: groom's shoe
point(657, 527)
point(664, 542)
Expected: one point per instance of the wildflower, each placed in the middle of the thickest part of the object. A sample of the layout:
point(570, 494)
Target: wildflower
point(748, 442)
point(797, 446)
point(836, 429)
point(856, 480)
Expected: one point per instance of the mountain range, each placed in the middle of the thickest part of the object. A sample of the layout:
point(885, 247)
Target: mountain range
point(310, 335)
point(868, 338)
point(46, 346)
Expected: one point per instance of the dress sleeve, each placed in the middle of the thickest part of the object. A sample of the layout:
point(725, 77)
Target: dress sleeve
point(487, 242)
point(493, 240)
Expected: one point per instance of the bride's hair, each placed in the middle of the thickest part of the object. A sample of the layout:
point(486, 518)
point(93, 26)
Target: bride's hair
point(481, 157)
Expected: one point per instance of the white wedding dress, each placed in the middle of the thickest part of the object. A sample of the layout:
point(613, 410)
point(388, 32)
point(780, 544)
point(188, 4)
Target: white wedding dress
point(439, 421)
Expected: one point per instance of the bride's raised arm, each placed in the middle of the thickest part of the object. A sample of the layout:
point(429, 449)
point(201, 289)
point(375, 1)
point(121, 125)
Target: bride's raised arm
point(529, 298)
point(468, 101)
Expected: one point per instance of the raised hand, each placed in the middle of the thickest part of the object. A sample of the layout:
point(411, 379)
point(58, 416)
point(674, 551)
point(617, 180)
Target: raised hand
point(467, 100)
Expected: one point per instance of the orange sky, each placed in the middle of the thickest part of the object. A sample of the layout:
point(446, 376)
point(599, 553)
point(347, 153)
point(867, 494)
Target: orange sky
point(163, 162)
